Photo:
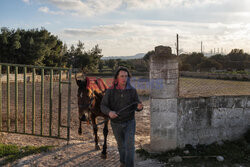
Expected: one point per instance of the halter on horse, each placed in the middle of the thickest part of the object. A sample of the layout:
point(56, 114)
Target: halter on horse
point(90, 93)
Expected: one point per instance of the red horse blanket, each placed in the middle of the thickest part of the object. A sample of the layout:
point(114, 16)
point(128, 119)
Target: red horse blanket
point(96, 84)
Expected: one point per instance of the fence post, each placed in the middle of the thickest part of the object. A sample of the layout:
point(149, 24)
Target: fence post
point(69, 105)
point(42, 99)
point(163, 99)
point(8, 98)
point(16, 99)
point(51, 102)
point(59, 102)
point(0, 97)
point(33, 100)
point(24, 98)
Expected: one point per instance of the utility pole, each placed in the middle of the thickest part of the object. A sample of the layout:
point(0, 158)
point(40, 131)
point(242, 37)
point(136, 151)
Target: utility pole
point(177, 45)
point(201, 46)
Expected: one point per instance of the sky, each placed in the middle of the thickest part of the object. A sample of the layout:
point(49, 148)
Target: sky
point(128, 27)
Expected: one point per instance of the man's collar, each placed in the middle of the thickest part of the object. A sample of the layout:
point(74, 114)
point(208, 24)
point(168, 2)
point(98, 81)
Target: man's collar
point(119, 87)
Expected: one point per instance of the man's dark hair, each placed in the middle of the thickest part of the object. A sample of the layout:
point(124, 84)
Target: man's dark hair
point(117, 73)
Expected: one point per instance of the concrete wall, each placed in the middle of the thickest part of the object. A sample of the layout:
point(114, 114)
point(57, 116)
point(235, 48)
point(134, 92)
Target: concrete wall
point(206, 120)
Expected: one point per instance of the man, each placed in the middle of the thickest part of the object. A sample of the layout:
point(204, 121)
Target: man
point(120, 103)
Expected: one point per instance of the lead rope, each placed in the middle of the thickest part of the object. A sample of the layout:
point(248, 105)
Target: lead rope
point(118, 113)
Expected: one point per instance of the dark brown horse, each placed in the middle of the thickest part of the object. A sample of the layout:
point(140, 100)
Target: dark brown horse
point(90, 94)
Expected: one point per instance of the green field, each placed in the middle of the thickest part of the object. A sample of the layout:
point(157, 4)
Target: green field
point(194, 87)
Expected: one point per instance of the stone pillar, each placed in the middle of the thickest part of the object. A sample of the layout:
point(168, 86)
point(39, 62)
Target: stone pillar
point(163, 99)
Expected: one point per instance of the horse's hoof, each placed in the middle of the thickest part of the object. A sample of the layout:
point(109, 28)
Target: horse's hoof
point(97, 147)
point(79, 131)
point(83, 118)
point(104, 156)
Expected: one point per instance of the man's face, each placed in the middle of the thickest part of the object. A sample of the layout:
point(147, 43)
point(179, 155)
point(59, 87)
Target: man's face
point(122, 77)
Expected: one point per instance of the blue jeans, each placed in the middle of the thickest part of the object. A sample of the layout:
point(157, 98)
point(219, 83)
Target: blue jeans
point(125, 137)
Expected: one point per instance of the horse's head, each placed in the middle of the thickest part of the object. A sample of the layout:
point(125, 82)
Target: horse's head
point(85, 98)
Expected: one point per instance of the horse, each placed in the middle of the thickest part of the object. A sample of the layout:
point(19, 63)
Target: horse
point(90, 94)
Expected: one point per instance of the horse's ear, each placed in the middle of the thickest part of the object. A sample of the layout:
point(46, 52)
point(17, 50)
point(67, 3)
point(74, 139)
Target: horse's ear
point(78, 82)
point(84, 74)
point(81, 83)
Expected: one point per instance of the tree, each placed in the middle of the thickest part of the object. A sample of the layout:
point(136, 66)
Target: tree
point(207, 64)
point(237, 55)
point(185, 67)
point(193, 59)
point(86, 60)
point(219, 58)
point(33, 47)
point(95, 57)
point(100, 65)
point(147, 55)
point(40, 47)
point(112, 64)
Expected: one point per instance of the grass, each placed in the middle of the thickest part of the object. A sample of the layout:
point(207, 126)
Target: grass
point(234, 72)
point(237, 151)
point(10, 153)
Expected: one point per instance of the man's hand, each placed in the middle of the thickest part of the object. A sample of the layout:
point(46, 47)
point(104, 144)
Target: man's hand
point(139, 106)
point(112, 114)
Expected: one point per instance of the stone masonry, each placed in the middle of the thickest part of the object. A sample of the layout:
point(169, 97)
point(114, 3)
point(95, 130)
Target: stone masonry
point(163, 99)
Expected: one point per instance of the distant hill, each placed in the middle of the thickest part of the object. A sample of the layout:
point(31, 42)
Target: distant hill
point(137, 56)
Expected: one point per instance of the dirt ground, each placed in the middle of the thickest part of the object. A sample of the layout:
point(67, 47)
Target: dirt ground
point(80, 150)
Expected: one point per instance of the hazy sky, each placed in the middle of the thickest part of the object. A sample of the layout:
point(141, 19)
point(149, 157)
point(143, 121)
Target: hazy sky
point(128, 27)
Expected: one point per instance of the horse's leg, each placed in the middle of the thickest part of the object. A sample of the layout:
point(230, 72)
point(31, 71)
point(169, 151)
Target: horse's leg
point(81, 118)
point(93, 119)
point(80, 127)
point(105, 133)
point(80, 121)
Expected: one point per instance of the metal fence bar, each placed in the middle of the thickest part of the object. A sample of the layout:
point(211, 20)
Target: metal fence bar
point(31, 66)
point(8, 98)
point(16, 99)
point(59, 103)
point(42, 99)
point(24, 98)
point(0, 97)
point(33, 100)
point(69, 105)
point(51, 102)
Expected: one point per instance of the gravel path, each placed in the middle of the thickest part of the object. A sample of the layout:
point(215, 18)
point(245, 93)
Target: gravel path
point(80, 150)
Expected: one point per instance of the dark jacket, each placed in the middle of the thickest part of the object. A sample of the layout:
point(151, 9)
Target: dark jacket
point(118, 99)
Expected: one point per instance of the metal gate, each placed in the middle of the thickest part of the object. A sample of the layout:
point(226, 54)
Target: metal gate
point(38, 90)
